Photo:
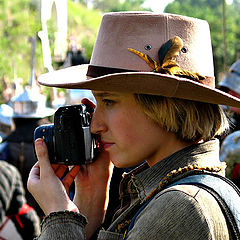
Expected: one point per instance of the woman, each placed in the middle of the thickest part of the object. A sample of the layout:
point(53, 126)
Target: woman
point(163, 113)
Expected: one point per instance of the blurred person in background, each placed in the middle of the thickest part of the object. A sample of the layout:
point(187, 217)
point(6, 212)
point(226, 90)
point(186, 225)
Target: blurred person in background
point(230, 144)
point(230, 153)
point(75, 56)
point(6, 122)
point(29, 111)
point(8, 90)
point(231, 84)
point(17, 219)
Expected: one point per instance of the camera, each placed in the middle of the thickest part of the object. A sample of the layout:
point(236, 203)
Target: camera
point(69, 140)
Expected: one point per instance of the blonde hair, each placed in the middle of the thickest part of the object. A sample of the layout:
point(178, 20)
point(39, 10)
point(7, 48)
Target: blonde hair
point(191, 121)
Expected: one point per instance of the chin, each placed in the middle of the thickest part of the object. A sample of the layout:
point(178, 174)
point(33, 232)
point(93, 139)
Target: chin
point(119, 165)
point(122, 164)
point(120, 160)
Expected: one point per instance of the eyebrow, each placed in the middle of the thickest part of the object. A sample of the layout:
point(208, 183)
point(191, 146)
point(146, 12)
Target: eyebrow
point(104, 94)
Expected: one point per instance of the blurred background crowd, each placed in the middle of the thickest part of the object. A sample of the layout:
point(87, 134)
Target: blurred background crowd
point(39, 36)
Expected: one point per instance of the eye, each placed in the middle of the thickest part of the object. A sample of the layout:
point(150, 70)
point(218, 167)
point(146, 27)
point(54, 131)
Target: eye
point(108, 102)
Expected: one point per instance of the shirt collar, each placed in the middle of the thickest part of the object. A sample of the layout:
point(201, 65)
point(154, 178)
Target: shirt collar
point(144, 179)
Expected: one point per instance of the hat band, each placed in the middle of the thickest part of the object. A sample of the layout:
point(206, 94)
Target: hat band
point(98, 71)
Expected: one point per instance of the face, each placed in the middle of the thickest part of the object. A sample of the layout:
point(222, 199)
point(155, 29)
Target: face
point(127, 133)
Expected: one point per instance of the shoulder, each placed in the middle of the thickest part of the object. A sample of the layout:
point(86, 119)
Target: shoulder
point(10, 181)
point(8, 171)
point(178, 210)
point(5, 166)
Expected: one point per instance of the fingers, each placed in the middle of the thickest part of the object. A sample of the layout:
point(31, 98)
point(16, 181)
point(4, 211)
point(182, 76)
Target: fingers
point(34, 177)
point(35, 171)
point(42, 155)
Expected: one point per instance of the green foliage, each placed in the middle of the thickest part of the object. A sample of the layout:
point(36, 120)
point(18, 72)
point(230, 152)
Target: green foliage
point(212, 11)
point(84, 24)
point(133, 5)
point(17, 23)
point(20, 19)
point(118, 5)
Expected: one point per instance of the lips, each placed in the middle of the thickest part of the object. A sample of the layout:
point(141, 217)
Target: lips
point(106, 145)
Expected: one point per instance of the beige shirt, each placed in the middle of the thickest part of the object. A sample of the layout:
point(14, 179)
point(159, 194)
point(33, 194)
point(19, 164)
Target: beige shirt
point(179, 212)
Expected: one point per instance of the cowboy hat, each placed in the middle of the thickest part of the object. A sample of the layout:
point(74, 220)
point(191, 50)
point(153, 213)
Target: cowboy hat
point(143, 52)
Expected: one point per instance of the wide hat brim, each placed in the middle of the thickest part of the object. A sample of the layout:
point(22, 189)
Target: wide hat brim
point(160, 41)
point(138, 82)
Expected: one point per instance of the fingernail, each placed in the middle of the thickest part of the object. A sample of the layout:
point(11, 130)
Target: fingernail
point(39, 142)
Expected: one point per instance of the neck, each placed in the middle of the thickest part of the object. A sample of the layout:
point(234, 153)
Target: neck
point(170, 146)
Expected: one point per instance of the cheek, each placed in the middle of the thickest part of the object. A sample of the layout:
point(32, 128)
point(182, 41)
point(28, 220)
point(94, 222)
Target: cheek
point(124, 130)
point(134, 131)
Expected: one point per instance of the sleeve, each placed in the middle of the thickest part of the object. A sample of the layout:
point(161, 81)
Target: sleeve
point(63, 225)
point(7, 182)
point(23, 216)
point(176, 214)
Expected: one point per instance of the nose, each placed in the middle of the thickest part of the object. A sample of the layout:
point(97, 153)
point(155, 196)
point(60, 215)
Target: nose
point(98, 125)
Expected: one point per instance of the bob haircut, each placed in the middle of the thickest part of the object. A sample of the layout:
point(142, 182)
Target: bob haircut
point(191, 121)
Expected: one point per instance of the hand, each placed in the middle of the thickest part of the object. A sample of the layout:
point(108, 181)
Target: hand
point(92, 178)
point(91, 191)
point(45, 185)
point(92, 187)
point(91, 184)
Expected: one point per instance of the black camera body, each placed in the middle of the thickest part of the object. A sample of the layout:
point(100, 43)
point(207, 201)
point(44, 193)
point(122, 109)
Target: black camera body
point(69, 140)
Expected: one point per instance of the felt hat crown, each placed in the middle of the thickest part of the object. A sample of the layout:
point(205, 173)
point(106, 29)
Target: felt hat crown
point(143, 52)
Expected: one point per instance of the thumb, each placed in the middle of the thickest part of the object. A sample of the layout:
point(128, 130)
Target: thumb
point(43, 159)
